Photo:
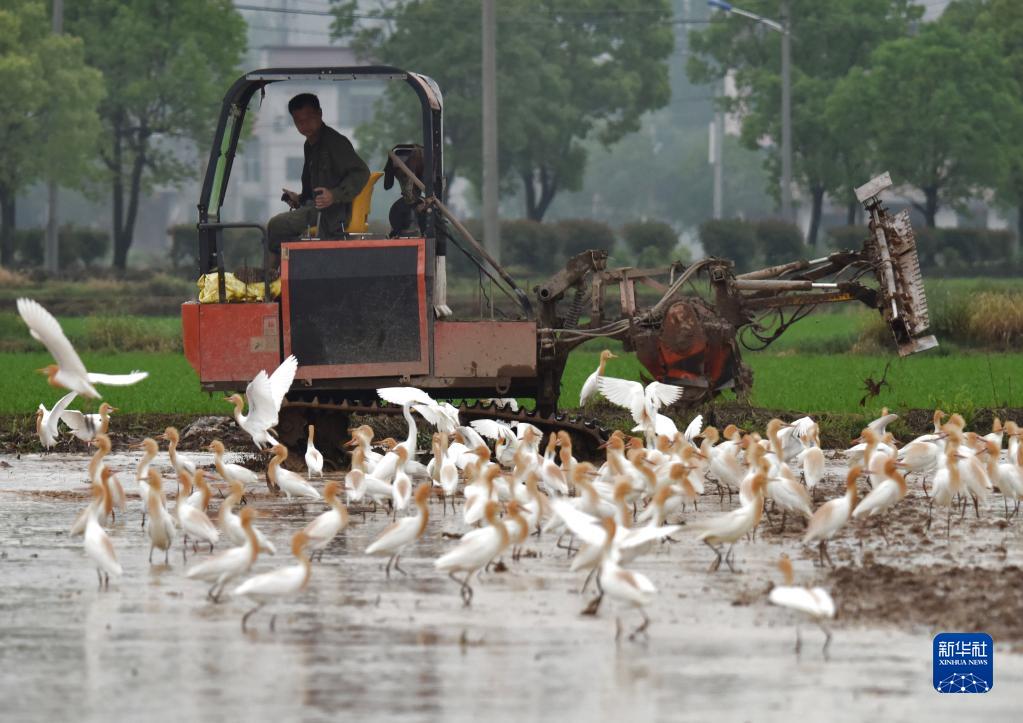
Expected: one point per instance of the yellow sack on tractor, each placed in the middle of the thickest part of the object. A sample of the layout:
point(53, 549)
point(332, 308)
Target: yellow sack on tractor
point(254, 291)
point(234, 289)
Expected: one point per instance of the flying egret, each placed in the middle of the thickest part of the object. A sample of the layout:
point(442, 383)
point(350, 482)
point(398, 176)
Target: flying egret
point(48, 421)
point(264, 395)
point(87, 426)
point(69, 372)
point(644, 403)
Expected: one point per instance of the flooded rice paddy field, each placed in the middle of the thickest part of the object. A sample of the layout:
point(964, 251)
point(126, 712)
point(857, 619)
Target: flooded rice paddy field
point(152, 648)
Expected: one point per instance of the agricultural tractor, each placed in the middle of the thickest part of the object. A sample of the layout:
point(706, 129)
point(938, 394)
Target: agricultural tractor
point(363, 311)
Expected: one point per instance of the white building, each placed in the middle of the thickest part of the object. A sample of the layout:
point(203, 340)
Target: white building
point(271, 156)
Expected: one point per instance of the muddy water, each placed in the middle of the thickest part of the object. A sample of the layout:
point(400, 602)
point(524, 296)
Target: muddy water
point(357, 644)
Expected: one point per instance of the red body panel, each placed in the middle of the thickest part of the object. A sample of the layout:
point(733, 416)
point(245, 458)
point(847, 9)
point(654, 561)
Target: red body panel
point(190, 332)
point(231, 342)
point(502, 349)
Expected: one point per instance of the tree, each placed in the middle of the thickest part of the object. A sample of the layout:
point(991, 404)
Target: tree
point(827, 38)
point(167, 65)
point(940, 107)
point(1003, 21)
point(662, 173)
point(731, 239)
point(779, 241)
point(48, 120)
point(568, 71)
point(650, 240)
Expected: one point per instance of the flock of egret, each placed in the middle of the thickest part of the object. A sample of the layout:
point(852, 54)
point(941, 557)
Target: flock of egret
point(514, 486)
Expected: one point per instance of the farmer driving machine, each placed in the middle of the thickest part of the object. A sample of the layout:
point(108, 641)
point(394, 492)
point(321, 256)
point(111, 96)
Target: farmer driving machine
point(362, 311)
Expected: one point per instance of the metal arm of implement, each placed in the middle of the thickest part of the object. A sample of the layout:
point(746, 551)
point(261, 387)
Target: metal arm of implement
point(520, 296)
point(692, 339)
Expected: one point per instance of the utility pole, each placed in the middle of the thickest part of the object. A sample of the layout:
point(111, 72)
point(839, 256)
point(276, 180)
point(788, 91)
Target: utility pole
point(717, 158)
point(491, 225)
point(786, 117)
point(786, 93)
point(51, 248)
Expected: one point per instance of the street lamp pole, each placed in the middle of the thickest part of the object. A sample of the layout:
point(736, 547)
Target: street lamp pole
point(786, 93)
point(491, 174)
point(786, 116)
point(51, 246)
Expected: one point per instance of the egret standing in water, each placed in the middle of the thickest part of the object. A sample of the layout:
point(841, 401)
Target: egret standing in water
point(402, 533)
point(313, 456)
point(279, 583)
point(815, 602)
point(832, 516)
point(97, 544)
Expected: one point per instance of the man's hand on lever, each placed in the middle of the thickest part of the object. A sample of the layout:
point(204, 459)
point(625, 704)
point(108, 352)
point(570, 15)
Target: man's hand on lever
point(322, 197)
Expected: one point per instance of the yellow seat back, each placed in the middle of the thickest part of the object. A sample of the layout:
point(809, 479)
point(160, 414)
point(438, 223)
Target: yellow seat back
point(360, 206)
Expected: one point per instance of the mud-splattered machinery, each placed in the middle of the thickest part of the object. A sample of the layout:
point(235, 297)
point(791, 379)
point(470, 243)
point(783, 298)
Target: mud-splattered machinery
point(692, 334)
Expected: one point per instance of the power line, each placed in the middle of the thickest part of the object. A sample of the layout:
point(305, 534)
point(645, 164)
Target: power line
point(292, 31)
point(507, 19)
point(283, 11)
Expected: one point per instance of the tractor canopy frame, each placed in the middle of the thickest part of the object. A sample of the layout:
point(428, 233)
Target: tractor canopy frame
point(232, 117)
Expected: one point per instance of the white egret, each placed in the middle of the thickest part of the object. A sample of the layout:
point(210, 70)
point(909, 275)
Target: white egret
point(731, 526)
point(328, 524)
point(590, 385)
point(180, 463)
point(832, 516)
point(402, 533)
point(229, 471)
point(48, 421)
point(87, 426)
point(231, 524)
point(161, 527)
point(643, 403)
point(885, 494)
point(192, 520)
point(815, 603)
point(474, 551)
point(283, 582)
point(291, 484)
point(69, 372)
point(231, 563)
point(313, 456)
point(97, 544)
point(264, 394)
